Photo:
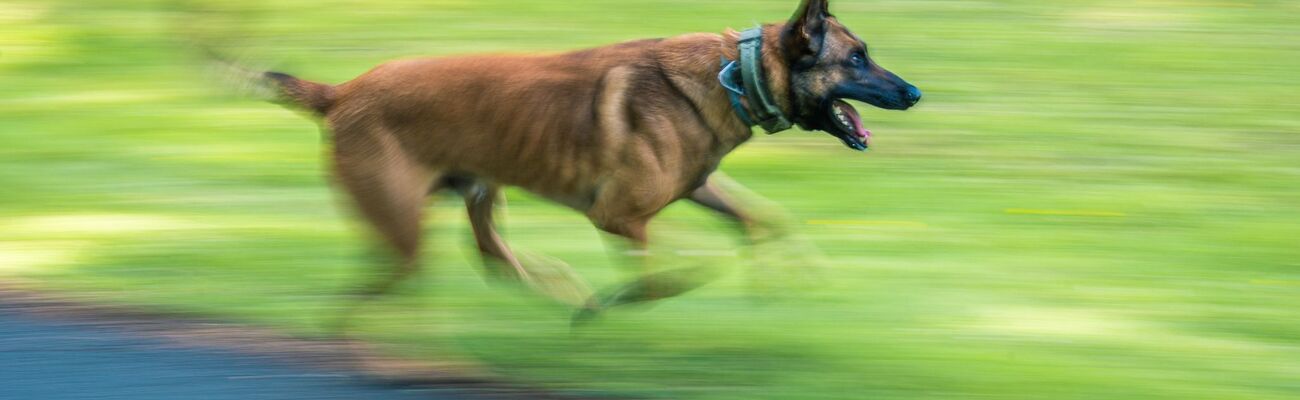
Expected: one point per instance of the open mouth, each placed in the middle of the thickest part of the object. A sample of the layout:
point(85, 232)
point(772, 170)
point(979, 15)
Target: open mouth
point(846, 124)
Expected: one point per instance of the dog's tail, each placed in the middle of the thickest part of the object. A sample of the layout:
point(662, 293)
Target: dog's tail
point(301, 94)
point(276, 87)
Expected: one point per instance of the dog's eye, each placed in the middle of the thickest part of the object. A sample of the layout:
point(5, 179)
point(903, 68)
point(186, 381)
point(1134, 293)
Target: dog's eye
point(858, 59)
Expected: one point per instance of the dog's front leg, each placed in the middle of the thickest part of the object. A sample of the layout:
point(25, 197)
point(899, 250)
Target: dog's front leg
point(715, 194)
point(789, 258)
point(652, 284)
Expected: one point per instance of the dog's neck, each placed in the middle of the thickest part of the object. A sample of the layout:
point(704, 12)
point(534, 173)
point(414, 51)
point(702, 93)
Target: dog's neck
point(693, 65)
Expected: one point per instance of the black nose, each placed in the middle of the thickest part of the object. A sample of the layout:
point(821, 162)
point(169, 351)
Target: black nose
point(913, 94)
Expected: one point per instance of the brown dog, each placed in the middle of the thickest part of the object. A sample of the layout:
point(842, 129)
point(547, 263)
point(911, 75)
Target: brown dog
point(616, 132)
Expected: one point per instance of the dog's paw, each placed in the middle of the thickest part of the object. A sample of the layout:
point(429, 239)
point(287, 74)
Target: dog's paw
point(555, 280)
point(784, 267)
point(585, 315)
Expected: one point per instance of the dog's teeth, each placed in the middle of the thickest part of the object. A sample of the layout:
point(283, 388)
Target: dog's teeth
point(842, 117)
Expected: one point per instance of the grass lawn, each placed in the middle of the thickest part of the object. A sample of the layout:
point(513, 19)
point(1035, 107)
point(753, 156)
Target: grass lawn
point(1097, 199)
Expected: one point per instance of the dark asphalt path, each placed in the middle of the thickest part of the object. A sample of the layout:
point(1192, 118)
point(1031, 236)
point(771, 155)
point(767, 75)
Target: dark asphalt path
point(40, 359)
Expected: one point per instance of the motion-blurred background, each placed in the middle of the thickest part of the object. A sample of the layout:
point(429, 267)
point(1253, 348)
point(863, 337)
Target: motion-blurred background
point(1097, 199)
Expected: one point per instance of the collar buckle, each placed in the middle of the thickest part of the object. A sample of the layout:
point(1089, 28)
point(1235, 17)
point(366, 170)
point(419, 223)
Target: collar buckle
point(727, 78)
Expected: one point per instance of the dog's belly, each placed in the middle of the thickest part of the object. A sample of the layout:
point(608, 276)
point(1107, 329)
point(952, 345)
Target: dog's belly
point(571, 182)
point(563, 186)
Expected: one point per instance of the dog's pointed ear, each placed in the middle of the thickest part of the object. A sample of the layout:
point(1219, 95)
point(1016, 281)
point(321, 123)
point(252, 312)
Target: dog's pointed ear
point(803, 35)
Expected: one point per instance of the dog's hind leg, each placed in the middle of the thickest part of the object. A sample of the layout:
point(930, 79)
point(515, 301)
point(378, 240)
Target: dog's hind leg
point(551, 278)
point(499, 262)
point(389, 191)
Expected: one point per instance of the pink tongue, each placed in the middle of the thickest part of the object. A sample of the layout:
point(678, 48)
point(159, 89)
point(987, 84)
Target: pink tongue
point(853, 116)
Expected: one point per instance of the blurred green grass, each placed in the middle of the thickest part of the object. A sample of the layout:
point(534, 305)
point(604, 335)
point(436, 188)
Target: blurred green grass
point(1156, 146)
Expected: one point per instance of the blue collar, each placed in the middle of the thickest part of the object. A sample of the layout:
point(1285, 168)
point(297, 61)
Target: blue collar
point(763, 106)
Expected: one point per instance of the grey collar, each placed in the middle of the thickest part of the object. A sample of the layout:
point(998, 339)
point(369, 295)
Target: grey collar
point(763, 110)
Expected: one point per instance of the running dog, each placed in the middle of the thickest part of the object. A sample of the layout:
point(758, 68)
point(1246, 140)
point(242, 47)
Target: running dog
point(616, 133)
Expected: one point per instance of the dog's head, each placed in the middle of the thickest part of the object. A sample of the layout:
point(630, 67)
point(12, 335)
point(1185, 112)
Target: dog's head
point(828, 64)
